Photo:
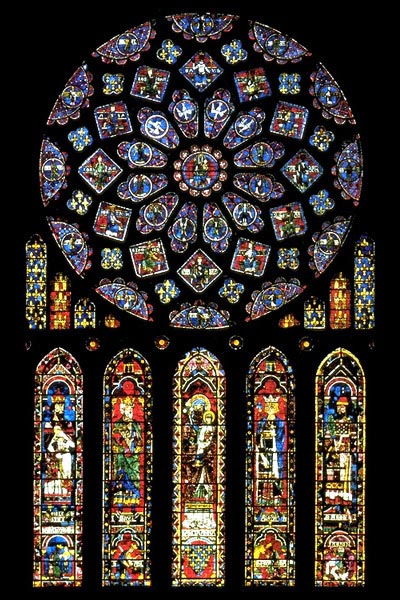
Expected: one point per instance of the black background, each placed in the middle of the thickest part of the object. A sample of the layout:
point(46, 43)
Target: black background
point(55, 44)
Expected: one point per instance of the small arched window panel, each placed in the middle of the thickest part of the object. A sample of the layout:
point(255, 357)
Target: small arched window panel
point(60, 302)
point(58, 493)
point(36, 283)
point(340, 471)
point(127, 470)
point(84, 314)
point(199, 471)
point(270, 471)
point(364, 283)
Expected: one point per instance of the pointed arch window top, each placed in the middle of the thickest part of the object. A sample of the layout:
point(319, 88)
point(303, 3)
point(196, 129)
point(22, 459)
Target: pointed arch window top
point(340, 432)
point(58, 471)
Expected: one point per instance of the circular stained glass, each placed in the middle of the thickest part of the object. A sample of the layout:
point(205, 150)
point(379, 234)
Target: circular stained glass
point(201, 170)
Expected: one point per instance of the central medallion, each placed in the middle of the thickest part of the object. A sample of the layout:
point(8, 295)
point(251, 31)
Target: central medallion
point(200, 170)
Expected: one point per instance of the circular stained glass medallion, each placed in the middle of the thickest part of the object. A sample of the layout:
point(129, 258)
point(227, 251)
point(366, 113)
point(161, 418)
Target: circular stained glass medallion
point(200, 170)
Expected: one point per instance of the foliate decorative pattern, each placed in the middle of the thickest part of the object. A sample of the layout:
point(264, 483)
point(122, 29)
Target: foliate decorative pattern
point(364, 283)
point(36, 283)
point(193, 154)
point(58, 471)
point(127, 470)
point(199, 471)
point(340, 396)
point(270, 471)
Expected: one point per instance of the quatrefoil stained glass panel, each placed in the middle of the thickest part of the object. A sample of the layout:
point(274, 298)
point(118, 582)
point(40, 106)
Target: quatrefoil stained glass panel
point(200, 150)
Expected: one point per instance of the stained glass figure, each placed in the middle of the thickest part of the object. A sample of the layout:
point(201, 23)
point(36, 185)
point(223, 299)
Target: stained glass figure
point(73, 245)
point(60, 302)
point(364, 283)
point(99, 171)
point(139, 163)
point(199, 471)
point(252, 84)
point(36, 283)
point(199, 316)
point(199, 271)
point(73, 98)
point(275, 46)
point(289, 120)
point(217, 111)
point(186, 113)
point(53, 171)
point(340, 471)
point(329, 97)
point(270, 471)
point(127, 470)
point(349, 170)
point(58, 471)
point(201, 70)
point(314, 313)
point(126, 46)
point(84, 314)
point(201, 26)
point(150, 83)
point(340, 302)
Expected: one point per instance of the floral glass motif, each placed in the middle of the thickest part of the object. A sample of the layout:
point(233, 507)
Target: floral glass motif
point(84, 314)
point(321, 138)
point(80, 139)
point(288, 258)
point(289, 83)
point(169, 52)
point(270, 471)
point(36, 283)
point(231, 290)
point(79, 202)
point(198, 543)
point(127, 470)
point(314, 313)
point(113, 84)
point(111, 258)
point(234, 52)
point(321, 202)
point(194, 114)
point(364, 283)
point(167, 291)
point(340, 396)
point(58, 471)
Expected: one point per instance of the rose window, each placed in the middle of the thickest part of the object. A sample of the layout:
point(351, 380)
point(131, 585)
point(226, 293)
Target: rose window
point(204, 171)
